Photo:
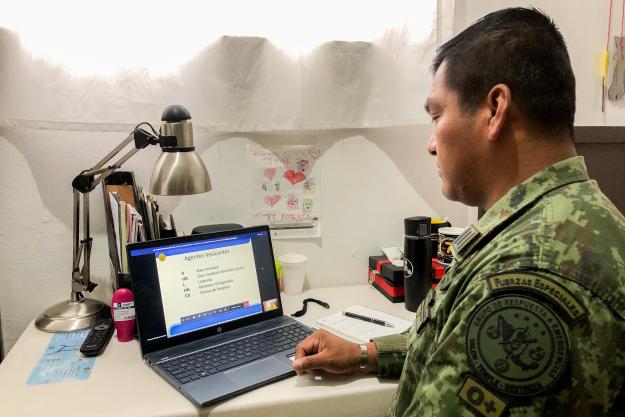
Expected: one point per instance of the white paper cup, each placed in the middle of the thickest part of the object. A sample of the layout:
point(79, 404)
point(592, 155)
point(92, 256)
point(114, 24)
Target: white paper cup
point(293, 272)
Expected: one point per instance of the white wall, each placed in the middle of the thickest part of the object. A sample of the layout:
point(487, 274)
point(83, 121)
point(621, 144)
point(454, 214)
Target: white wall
point(371, 180)
point(584, 25)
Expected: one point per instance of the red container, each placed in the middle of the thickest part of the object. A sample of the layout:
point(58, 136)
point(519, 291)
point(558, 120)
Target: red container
point(123, 313)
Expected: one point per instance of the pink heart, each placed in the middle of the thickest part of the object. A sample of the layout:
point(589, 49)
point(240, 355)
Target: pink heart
point(271, 200)
point(294, 176)
point(269, 173)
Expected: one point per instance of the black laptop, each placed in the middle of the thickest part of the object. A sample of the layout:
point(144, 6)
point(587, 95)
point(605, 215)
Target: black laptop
point(209, 312)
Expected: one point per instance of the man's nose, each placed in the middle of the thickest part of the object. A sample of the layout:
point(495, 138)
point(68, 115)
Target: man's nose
point(432, 145)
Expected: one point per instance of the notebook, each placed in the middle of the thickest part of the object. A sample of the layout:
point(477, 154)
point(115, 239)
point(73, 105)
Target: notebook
point(209, 313)
point(362, 331)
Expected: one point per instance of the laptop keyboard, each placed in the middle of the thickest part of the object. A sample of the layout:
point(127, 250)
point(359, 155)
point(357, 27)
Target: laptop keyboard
point(232, 354)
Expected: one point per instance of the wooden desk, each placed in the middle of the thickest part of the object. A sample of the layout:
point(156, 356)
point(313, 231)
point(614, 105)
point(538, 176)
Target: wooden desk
point(121, 384)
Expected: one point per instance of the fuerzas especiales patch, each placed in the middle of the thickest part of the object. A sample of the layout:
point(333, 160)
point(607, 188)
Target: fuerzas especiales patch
point(517, 345)
point(546, 288)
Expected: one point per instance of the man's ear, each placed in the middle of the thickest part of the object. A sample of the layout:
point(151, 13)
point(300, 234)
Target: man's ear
point(499, 103)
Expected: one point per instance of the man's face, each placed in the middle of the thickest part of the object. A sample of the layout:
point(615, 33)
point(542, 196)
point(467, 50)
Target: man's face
point(455, 142)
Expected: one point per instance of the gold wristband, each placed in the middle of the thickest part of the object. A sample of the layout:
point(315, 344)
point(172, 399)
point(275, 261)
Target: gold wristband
point(364, 356)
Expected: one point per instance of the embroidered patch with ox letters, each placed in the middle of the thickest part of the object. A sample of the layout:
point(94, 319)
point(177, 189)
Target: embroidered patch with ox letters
point(516, 345)
point(482, 399)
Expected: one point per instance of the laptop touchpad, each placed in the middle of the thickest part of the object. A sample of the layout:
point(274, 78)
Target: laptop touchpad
point(258, 371)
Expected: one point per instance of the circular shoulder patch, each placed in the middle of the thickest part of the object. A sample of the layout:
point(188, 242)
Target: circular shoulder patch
point(517, 345)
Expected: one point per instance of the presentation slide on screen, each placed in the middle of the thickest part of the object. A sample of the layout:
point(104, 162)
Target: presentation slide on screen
point(208, 280)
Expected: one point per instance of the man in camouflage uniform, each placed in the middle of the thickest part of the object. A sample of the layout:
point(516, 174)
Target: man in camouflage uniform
point(530, 317)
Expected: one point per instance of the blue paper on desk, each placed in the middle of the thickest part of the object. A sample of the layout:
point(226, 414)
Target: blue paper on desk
point(62, 360)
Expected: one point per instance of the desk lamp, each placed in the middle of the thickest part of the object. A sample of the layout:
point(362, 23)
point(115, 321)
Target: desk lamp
point(178, 171)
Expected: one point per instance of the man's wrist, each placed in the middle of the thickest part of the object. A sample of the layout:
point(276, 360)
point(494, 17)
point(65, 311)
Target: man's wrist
point(364, 356)
point(368, 356)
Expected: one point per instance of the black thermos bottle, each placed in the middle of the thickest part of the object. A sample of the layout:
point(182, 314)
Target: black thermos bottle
point(417, 260)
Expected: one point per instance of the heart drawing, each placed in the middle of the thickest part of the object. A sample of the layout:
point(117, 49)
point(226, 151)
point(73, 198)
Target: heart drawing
point(271, 200)
point(294, 176)
point(269, 173)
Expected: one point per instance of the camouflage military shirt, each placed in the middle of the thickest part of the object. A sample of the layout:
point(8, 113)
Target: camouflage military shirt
point(530, 317)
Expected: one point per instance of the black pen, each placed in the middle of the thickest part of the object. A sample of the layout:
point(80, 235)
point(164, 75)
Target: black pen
point(365, 318)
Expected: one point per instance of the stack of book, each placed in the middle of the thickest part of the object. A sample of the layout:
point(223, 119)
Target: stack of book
point(389, 279)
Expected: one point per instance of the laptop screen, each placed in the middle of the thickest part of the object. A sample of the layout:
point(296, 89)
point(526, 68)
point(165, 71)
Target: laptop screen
point(193, 286)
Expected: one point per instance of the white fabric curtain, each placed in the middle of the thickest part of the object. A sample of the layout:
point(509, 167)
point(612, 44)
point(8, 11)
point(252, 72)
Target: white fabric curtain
point(238, 66)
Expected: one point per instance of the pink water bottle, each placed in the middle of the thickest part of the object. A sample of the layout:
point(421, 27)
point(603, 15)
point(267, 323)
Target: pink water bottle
point(123, 312)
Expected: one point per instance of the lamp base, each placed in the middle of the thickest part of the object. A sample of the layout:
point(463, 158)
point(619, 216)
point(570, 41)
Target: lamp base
point(70, 315)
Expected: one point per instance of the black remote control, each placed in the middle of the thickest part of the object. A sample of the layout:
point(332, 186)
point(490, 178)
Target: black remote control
point(98, 338)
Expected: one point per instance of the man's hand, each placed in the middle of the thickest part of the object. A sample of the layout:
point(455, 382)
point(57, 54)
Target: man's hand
point(323, 350)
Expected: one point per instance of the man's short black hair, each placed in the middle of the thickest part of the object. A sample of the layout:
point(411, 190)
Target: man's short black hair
point(523, 49)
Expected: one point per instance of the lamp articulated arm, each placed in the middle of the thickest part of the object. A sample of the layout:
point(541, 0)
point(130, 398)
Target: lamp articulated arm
point(178, 171)
point(83, 184)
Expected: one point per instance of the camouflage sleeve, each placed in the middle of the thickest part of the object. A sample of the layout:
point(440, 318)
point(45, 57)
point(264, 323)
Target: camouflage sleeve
point(514, 352)
point(391, 354)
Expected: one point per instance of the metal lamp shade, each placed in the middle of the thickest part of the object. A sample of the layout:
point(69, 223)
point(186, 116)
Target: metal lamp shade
point(179, 173)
